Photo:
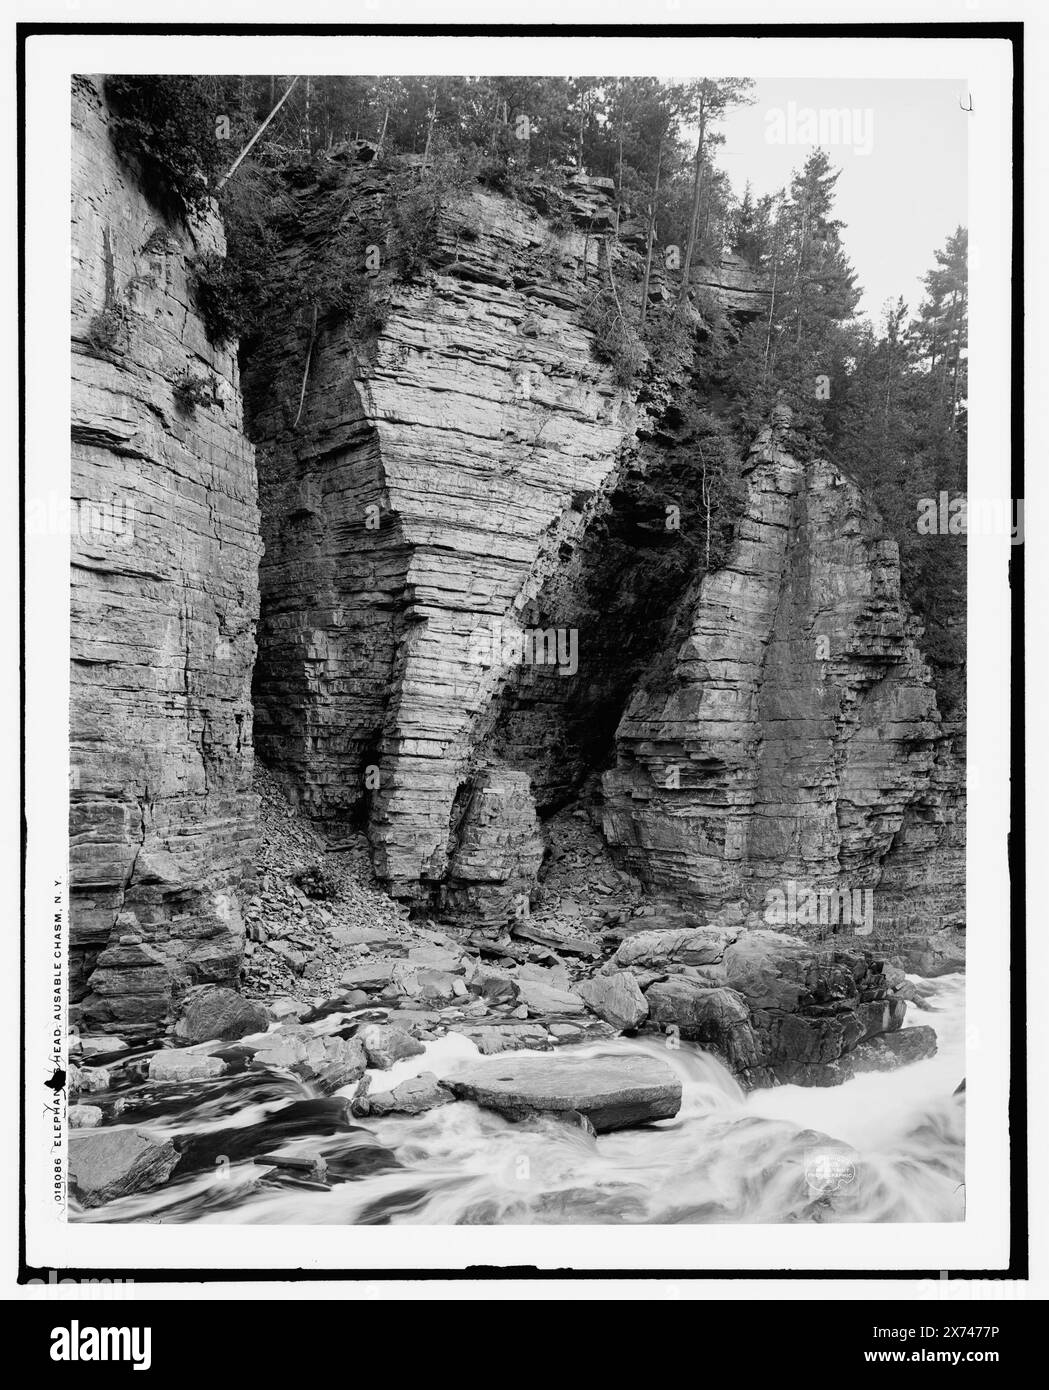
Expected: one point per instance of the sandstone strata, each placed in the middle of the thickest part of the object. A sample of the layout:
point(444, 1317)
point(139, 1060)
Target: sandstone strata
point(733, 284)
point(793, 737)
point(462, 478)
point(165, 548)
point(455, 481)
point(437, 476)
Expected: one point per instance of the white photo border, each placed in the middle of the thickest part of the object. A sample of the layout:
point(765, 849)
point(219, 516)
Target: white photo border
point(979, 1242)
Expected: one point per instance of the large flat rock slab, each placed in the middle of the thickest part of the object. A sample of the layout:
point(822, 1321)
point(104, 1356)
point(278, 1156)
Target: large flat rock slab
point(611, 1092)
point(112, 1163)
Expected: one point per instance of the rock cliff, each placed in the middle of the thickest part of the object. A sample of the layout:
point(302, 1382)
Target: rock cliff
point(793, 736)
point(437, 476)
point(474, 622)
point(470, 485)
point(164, 594)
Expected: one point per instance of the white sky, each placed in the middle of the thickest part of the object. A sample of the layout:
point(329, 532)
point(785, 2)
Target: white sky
point(900, 201)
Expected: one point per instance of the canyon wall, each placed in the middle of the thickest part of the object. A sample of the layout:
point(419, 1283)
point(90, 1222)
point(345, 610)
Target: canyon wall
point(793, 736)
point(473, 616)
point(164, 598)
point(472, 472)
point(434, 478)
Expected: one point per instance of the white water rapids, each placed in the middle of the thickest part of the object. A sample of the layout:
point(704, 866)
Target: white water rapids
point(886, 1146)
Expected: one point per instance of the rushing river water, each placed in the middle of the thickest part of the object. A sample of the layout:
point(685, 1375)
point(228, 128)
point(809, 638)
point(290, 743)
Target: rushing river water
point(885, 1146)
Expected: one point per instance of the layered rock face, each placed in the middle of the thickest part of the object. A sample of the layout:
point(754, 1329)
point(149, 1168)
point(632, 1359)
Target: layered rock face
point(165, 548)
point(733, 284)
point(471, 608)
point(432, 483)
point(447, 643)
point(793, 738)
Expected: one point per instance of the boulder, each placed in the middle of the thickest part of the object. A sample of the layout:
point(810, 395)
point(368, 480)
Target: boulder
point(285, 1046)
point(343, 1060)
point(175, 1064)
point(613, 1092)
point(795, 1042)
point(881, 1016)
point(385, 1044)
point(326, 1062)
point(91, 1048)
point(769, 968)
point(677, 946)
point(84, 1116)
point(940, 953)
point(92, 1079)
point(566, 1032)
point(434, 957)
point(494, 985)
point(616, 998)
point(412, 1097)
point(213, 1011)
point(541, 999)
point(556, 975)
point(286, 1007)
point(436, 986)
point(888, 1051)
point(716, 1018)
point(375, 975)
point(110, 1163)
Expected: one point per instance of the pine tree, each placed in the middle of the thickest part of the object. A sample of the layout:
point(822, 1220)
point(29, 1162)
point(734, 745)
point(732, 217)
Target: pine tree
point(708, 100)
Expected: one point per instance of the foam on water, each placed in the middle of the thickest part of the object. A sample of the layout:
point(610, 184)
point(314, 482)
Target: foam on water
point(886, 1146)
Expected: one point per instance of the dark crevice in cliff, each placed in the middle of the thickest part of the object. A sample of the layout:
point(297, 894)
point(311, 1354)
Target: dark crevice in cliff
point(621, 589)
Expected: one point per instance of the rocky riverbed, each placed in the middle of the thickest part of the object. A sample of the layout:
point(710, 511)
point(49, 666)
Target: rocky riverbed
point(622, 1130)
point(582, 1019)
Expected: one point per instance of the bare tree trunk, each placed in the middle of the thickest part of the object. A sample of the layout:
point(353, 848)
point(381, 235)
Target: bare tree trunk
point(888, 392)
point(705, 495)
point(948, 344)
point(382, 133)
point(586, 251)
point(954, 387)
point(693, 224)
point(651, 236)
point(619, 190)
point(429, 131)
point(772, 299)
point(797, 273)
point(612, 279)
point(494, 126)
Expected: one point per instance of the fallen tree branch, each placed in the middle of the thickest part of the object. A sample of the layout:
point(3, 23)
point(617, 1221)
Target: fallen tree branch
point(240, 157)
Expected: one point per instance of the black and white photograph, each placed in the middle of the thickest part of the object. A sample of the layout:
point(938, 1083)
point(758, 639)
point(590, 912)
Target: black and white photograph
point(518, 651)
